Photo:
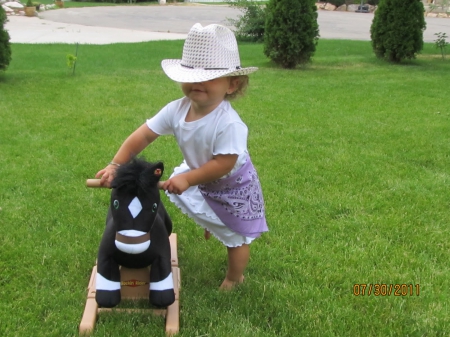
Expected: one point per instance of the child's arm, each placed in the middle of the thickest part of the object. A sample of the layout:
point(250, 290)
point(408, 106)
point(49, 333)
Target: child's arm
point(214, 169)
point(130, 148)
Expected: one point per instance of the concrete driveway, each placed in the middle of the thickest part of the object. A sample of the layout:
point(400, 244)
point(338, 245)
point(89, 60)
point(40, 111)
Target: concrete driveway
point(100, 25)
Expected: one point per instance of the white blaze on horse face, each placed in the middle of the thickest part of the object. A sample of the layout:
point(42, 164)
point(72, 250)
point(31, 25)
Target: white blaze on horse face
point(135, 207)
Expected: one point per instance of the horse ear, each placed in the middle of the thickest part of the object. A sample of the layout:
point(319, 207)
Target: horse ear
point(159, 169)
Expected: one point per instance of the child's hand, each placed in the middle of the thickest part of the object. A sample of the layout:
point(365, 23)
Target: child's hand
point(107, 175)
point(176, 185)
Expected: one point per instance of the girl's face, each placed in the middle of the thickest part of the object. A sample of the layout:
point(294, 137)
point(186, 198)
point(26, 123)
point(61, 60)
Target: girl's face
point(210, 93)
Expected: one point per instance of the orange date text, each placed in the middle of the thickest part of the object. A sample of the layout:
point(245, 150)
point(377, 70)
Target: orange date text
point(384, 289)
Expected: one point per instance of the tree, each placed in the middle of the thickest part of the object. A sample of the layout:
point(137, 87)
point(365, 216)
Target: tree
point(5, 48)
point(291, 31)
point(397, 29)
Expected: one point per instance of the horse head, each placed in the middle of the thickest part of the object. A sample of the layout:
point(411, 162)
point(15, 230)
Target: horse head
point(134, 205)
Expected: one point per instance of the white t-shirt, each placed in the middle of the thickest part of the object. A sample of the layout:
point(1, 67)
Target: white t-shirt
point(220, 132)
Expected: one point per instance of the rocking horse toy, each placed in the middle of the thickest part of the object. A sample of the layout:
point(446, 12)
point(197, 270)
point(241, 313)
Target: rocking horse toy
point(137, 257)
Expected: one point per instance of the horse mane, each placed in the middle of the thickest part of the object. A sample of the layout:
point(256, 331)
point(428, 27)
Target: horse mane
point(137, 176)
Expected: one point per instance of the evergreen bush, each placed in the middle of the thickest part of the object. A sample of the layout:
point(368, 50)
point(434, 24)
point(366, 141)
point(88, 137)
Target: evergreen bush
point(397, 29)
point(5, 47)
point(291, 31)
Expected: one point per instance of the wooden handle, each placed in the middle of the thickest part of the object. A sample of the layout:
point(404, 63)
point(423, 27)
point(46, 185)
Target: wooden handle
point(96, 183)
point(93, 183)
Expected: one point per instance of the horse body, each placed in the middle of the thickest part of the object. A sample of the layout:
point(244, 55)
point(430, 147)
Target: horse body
point(136, 235)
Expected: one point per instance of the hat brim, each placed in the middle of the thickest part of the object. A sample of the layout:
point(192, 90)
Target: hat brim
point(176, 72)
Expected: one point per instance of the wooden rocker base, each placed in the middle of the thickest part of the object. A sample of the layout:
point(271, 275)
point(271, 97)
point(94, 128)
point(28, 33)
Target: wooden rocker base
point(134, 286)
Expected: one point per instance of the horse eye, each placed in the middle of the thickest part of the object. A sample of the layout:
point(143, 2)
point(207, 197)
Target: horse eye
point(155, 206)
point(116, 204)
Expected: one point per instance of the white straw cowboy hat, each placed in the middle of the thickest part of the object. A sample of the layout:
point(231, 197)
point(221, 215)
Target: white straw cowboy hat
point(209, 52)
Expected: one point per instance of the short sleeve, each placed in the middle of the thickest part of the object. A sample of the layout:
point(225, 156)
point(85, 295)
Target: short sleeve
point(164, 122)
point(232, 139)
point(161, 123)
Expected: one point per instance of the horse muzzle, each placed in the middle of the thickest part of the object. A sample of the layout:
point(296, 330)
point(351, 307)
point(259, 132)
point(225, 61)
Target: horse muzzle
point(132, 242)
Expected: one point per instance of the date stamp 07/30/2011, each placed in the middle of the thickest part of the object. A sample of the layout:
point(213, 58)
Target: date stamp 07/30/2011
point(384, 289)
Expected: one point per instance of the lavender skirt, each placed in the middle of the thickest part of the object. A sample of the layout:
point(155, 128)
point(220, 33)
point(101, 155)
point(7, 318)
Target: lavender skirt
point(232, 209)
point(238, 201)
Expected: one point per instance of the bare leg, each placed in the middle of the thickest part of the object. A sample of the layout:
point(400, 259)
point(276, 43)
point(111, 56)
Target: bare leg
point(237, 262)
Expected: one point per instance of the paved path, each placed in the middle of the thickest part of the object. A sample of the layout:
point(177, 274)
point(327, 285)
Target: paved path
point(103, 25)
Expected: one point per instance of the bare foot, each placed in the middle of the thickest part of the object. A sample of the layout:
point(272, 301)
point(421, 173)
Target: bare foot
point(228, 285)
point(207, 234)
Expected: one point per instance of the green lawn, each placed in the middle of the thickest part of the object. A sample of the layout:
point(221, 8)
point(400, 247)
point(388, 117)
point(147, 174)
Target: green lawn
point(353, 155)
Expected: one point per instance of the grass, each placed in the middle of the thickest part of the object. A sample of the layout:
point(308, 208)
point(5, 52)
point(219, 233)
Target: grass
point(353, 156)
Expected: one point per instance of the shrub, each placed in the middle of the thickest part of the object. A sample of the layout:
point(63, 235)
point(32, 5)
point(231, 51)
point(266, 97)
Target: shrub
point(5, 48)
point(291, 31)
point(250, 26)
point(397, 29)
point(441, 42)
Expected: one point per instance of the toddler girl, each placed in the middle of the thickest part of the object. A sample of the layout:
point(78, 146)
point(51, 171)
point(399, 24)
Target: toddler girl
point(216, 184)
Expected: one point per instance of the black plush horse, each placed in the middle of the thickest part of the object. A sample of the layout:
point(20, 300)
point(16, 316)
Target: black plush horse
point(136, 235)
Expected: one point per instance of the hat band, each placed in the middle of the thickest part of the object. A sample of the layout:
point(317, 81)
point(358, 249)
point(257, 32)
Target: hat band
point(237, 68)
